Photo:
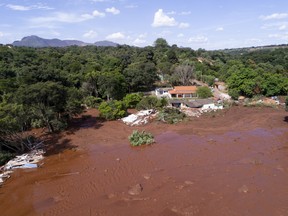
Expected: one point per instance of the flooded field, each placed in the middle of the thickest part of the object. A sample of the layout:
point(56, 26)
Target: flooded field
point(233, 162)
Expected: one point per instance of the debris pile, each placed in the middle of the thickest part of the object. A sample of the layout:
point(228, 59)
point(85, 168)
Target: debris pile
point(28, 160)
point(197, 112)
point(140, 118)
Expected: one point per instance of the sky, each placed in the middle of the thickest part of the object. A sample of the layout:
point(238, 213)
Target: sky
point(206, 24)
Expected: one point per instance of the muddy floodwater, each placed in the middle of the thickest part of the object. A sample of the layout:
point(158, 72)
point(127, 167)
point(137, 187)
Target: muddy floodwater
point(230, 163)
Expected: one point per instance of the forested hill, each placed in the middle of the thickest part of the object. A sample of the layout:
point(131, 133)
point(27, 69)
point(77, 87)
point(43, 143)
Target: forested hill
point(35, 41)
point(46, 86)
point(240, 51)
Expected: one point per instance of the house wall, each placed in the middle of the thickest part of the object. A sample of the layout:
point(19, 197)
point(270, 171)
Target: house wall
point(162, 93)
point(183, 95)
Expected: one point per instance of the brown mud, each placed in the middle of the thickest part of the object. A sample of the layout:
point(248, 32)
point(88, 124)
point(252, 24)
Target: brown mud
point(230, 163)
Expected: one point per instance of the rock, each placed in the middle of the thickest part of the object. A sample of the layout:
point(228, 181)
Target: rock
point(189, 182)
point(243, 189)
point(111, 196)
point(180, 187)
point(241, 98)
point(135, 190)
point(147, 176)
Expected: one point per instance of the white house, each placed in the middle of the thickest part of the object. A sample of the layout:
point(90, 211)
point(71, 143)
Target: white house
point(163, 92)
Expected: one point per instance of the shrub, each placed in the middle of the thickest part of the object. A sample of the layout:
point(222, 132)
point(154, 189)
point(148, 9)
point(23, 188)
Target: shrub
point(141, 138)
point(131, 100)
point(5, 157)
point(204, 92)
point(234, 94)
point(92, 101)
point(112, 110)
point(208, 79)
point(58, 125)
point(171, 115)
point(151, 102)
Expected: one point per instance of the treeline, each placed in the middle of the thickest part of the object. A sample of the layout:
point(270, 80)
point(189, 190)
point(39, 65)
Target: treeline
point(45, 87)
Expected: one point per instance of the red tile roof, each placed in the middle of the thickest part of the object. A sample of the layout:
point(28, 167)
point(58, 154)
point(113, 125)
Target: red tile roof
point(183, 90)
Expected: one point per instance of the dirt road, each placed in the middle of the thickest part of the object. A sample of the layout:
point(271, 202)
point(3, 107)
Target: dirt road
point(233, 162)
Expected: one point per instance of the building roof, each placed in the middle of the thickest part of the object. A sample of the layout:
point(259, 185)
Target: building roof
point(183, 90)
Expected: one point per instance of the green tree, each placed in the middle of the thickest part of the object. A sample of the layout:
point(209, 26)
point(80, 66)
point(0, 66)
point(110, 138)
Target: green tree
point(274, 84)
point(204, 92)
point(112, 85)
point(92, 101)
point(243, 82)
point(112, 110)
point(14, 120)
point(131, 100)
point(151, 102)
point(161, 43)
point(141, 76)
point(51, 102)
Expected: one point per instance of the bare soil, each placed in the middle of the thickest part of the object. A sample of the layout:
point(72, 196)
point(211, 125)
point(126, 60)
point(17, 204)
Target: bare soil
point(233, 162)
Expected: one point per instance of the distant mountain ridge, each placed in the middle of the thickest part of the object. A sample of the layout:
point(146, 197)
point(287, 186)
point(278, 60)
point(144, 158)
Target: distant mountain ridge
point(35, 41)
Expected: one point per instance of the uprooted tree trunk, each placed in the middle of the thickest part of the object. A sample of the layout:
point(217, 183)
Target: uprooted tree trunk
point(18, 142)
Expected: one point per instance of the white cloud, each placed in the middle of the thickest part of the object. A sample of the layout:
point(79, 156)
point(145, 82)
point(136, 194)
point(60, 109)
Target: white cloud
point(275, 26)
point(18, 7)
point(41, 6)
point(283, 36)
point(87, 16)
point(171, 13)
point(185, 13)
point(139, 41)
point(131, 6)
point(115, 36)
point(27, 8)
point(161, 19)
point(142, 35)
point(90, 34)
point(112, 10)
point(275, 16)
point(99, 0)
point(181, 35)
point(97, 13)
point(220, 29)
point(1, 34)
point(184, 25)
point(198, 39)
point(283, 27)
point(60, 17)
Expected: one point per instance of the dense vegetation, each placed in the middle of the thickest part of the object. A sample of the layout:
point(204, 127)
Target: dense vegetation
point(46, 87)
point(170, 115)
point(204, 92)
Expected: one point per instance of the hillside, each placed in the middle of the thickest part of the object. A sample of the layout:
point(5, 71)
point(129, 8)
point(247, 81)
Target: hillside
point(35, 41)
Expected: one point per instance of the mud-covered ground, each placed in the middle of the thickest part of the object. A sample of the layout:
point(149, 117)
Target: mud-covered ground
point(233, 162)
